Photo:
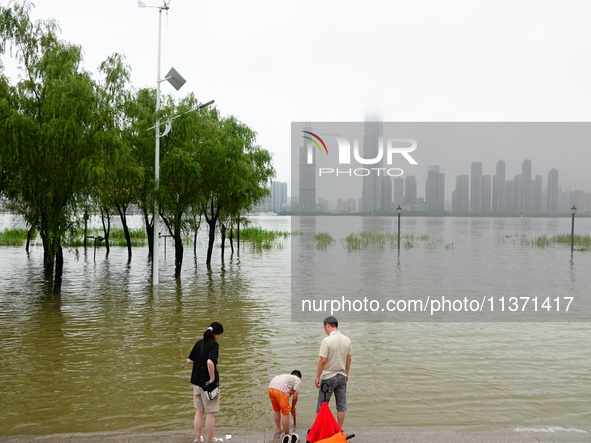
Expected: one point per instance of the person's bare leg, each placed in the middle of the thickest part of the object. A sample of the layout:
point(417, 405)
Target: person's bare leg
point(340, 419)
point(210, 425)
point(276, 416)
point(285, 423)
point(198, 423)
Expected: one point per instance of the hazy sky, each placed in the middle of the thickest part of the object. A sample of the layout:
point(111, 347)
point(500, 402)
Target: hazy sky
point(274, 62)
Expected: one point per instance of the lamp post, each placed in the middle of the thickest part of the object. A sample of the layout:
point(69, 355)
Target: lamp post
point(399, 211)
point(176, 81)
point(573, 211)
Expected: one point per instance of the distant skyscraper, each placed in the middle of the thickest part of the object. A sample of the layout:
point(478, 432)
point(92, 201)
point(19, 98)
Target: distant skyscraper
point(553, 192)
point(435, 190)
point(372, 187)
point(278, 196)
point(398, 195)
point(499, 189)
point(460, 199)
point(486, 199)
point(307, 177)
point(385, 193)
point(410, 190)
point(526, 188)
point(517, 196)
point(537, 190)
point(476, 187)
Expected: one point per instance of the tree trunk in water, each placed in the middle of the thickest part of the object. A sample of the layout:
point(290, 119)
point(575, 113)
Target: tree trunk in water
point(85, 228)
point(232, 239)
point(211, 222)
point(106, 229)
point(123, 217)
point(178, 252)
point(223, 231)
point(195, 245)
point(59, 270)
point(29, 235)
point(238, 236)
point(150, 233)
point(48, 258)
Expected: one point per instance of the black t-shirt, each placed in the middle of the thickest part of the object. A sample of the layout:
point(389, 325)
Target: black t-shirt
point(199, 355)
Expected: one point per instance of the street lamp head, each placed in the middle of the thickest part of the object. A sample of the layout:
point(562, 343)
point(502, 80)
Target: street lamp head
point(573, 210)
point(399, 210)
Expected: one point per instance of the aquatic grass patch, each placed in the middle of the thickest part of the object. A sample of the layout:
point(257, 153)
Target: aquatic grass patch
point(364, 240)
point(261, 239)
point(14, 237)
point(581, 242)
point(323, 240)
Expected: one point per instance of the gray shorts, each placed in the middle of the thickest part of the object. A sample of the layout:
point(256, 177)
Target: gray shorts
point(201, 401)
point(338, 385)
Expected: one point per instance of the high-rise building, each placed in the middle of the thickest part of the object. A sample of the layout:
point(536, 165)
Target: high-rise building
point(553, 192)
point(526, 188)
point(398, 194)
point(410, 190)
point(499, 189)
point(537, 190)
point(277, 199)
point(435, 190)
point(486, 199)
point(372, 185)
point(517, 197)
point(460, 197)
point(386, 193)
point(476, 187)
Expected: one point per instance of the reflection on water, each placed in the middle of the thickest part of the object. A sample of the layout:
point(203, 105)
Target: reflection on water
point(109, 352)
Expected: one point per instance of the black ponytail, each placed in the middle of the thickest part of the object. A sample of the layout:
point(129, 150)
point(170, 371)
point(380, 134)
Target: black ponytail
point(213, 329)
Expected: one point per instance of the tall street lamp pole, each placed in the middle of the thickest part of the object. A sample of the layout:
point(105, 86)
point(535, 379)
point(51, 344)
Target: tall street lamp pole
point(177, 81)
point(573, 211)
point(155, 233)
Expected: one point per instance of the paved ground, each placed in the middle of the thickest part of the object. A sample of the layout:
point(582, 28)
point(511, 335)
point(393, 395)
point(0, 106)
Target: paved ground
point(380, 435)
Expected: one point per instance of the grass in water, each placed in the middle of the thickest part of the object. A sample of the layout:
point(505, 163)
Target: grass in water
point(14, 237)
point(323, 240)
point(261, 239)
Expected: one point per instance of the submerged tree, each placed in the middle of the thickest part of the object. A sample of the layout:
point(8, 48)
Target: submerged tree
point(235, 174)
point(48, 130)
point(180, 188)
point(115, 174)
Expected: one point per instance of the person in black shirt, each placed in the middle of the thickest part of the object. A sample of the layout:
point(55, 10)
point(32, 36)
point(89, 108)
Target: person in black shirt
point(205, 377)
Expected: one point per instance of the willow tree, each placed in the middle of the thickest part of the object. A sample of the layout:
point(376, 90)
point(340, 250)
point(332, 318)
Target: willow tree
point(235, 172)
point(48, 136)
point(180, 189)
point(139, 136)
point(114, 173)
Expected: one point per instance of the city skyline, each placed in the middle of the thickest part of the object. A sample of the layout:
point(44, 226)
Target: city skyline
point(472, 193)
point(361, 160)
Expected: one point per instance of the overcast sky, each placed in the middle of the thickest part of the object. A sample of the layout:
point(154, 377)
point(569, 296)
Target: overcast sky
point(273, 62)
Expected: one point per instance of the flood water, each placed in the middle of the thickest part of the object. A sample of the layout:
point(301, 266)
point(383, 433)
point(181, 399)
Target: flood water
point(108, 354)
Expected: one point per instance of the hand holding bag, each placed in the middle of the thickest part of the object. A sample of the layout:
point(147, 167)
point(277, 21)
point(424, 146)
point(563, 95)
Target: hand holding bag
point(212, 389)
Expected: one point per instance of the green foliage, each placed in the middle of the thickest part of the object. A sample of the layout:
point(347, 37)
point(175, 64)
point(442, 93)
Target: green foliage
point(323, 240)
point(261, 239)
point(71, 145)
point(13, 237)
